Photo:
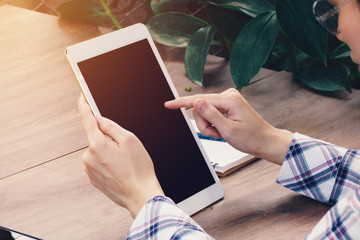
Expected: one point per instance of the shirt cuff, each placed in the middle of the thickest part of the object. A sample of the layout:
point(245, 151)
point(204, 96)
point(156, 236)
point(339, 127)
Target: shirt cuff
point(161, 218)
point(310, 167)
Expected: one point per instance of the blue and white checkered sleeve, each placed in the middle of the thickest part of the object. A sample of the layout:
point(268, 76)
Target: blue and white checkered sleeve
point(330, 174)
point(342, 221)
point(160, 218)
point(320, 170)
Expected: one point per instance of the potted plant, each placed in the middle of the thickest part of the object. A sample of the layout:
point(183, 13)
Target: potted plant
point(279, 35)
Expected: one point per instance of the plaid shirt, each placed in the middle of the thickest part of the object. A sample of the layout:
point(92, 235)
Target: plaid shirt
point(314, 168)
point(330, 174)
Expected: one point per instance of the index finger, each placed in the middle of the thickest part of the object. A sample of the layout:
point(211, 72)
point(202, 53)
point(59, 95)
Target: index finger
point(180, 102)
point(215, 99)
point(88, 120)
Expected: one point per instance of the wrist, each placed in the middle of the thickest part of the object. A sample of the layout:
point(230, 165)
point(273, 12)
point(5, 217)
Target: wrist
point(276, 144)
point(141, 196)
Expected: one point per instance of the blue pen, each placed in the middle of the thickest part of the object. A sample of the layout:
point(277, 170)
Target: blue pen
point(210, 138)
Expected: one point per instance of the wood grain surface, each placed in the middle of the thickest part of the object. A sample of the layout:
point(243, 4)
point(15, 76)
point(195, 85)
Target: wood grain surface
point(38, 92)
point(43, 188)
point(56, 201)
point(289, 104)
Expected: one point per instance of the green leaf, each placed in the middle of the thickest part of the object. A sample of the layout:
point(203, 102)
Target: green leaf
point(298, 24)
point(196, 53)
point(227, 22)
point(342, 51)
point(155, 6)
point(301, 57)
point(252, 47)
point(280, 61)
point(249, 7)
point(161, 6)
point(174, 29)
point(331, 78)
point(82, 11)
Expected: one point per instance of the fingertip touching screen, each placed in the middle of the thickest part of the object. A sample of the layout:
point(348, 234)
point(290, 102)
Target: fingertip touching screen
point(129, 87)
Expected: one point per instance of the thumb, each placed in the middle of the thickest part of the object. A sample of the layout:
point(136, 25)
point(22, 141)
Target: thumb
point(211, 114)
point(110, 128)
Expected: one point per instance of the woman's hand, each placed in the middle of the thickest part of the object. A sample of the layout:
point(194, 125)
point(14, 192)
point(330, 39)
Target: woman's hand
point(230, 116)
point(117, 162)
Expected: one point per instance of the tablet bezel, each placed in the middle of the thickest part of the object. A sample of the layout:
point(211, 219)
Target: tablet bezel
point(120, 38)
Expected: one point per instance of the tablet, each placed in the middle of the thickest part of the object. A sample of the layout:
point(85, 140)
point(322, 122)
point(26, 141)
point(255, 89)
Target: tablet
point(123, 78)
point(8, 234)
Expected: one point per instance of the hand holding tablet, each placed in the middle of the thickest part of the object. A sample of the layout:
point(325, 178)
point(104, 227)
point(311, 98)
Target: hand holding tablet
point(117, 173)
point(124, 79)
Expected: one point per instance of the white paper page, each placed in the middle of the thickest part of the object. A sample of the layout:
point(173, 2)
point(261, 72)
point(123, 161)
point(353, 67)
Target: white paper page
point(222, 153)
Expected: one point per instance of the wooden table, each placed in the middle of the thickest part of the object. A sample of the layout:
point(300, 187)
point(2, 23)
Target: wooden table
point(43, 188)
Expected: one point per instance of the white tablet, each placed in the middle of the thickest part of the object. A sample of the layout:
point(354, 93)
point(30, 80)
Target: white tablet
point(124, 79)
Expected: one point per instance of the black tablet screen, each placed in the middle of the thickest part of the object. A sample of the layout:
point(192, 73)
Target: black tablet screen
point(8, 234)
point(130, 88)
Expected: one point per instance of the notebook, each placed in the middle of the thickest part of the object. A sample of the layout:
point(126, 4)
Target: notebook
point(224, 158)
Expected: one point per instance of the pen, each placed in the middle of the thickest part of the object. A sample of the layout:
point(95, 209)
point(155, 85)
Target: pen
point(210, 138)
